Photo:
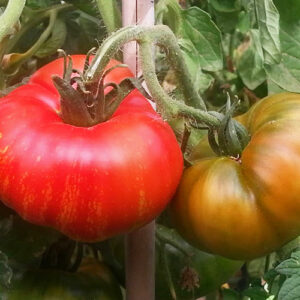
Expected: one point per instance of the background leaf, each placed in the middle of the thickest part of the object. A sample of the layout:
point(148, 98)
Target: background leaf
point(226, 5)
point(268, 24)
point(6, 271)
point(201, 80)
point(22, 235)
point(169, 12)
point(290, 266)
point(250, 63)
point(290, 290)
point(199, 28)
point(286, 74)
point(55, 41)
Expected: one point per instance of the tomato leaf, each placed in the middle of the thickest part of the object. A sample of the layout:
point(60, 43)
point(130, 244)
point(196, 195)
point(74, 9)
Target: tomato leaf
point(268, 24)
point(229, 294)
point(250, 63)
point(199, 28)
point(87, 6)
point(244, 22)
point(226, 5)
point(274, 88)
point(201, 80)
point(286, 74)
point(290, 289)
point(290, 266)
point(169, 12)
point(256, 293)
point(17, 235)
point(6, 272)
point(55, 41)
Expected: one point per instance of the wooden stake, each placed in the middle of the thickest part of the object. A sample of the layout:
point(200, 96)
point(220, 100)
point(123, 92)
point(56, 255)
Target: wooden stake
point(140, 244)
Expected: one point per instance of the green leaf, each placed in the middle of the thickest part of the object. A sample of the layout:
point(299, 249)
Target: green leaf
point(294, 245)
point(244, 22)
point(286, 74)
point(6, 272)
point(41, 3)
point(268, 24)
point(169, 12)
point(256, 293)
point(88, 6)
point(226, 5)
point(250, 63)
point(202, 81)
point(290, 266)
point(273, 88)
point(55, 41)
point(199, 28)
point(229, 294)
point(290, 289)
point(24, 243)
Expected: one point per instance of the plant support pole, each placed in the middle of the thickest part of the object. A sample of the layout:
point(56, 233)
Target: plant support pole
point(140, 244)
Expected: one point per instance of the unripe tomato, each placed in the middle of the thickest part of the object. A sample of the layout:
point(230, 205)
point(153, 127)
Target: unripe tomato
point(248, 206)
point(93, 280)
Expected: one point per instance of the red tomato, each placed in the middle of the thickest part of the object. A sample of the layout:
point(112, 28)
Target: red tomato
point(88, 182)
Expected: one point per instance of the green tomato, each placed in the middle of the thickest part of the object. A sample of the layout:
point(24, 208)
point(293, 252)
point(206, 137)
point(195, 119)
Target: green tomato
point(92, 281)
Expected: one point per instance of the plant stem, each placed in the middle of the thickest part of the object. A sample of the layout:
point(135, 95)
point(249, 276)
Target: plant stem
point(110, 14)
point(38, 16)
point(20, 58)
point(267, 263)
point(167, 271)
point(10, 17)
point(194, 107)
point(159, 35)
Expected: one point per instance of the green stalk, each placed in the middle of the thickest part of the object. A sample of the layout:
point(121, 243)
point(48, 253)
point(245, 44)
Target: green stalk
point(110, 14)
point(159, 35)
point(21, 57)
point(10, 17)
point(37, 17)
point(194, 107)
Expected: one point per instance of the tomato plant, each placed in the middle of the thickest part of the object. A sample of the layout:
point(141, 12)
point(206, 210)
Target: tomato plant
point(88, 182)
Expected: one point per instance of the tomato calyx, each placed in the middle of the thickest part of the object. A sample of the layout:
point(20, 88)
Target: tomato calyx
point(230, 137)
point(87, 104)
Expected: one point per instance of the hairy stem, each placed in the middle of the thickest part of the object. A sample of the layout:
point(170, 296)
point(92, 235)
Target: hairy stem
point(10, 17)
point(110, 14)
point(170, 107)
point(159, 35)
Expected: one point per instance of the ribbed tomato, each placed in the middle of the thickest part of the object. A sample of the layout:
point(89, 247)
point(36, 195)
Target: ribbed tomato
point(88, 182)
point(246, 207)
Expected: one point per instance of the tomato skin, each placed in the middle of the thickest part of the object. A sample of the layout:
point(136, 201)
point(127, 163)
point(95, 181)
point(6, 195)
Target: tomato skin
point(88, 182)
point(246, 208)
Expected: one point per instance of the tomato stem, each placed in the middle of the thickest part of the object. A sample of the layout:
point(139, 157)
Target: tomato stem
point(10, 17)
point(159, 35)
point(110, 14)
point(232, 136)
point(87, 104)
